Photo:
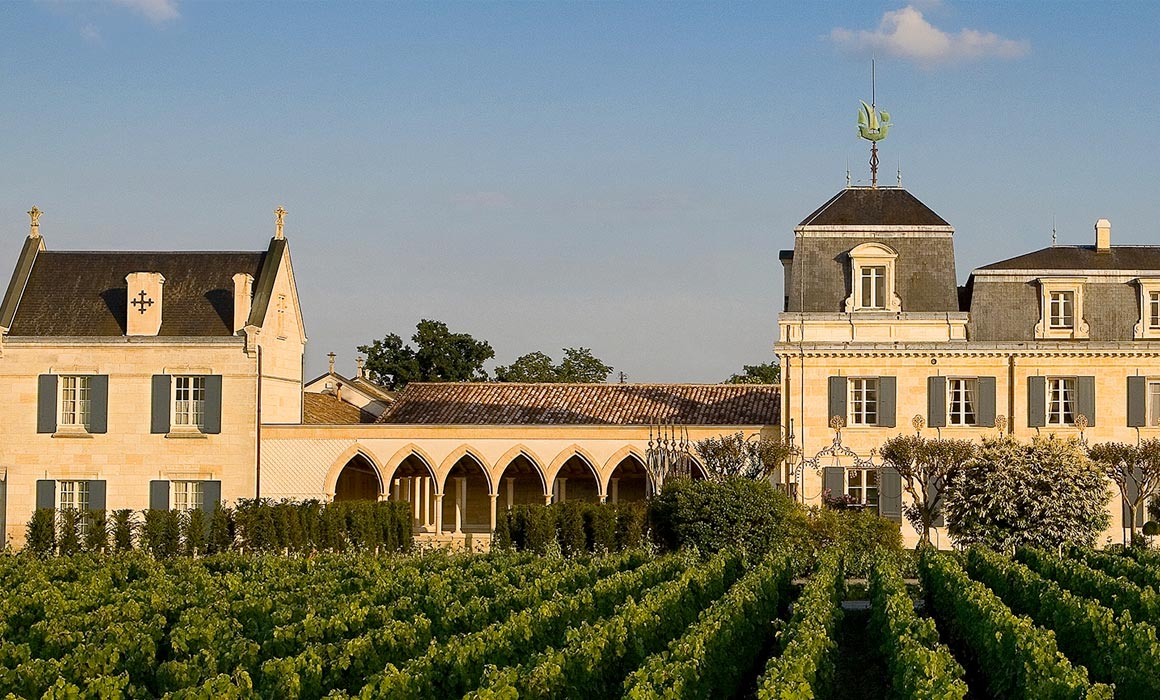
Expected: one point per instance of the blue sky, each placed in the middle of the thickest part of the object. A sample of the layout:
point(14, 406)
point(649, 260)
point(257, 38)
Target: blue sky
point(542, 175)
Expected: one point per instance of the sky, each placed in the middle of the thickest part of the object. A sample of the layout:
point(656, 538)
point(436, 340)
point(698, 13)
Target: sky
point(615, 176)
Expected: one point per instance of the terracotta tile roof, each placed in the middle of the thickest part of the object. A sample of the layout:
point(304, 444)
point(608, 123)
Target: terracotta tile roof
point(324, 409)
point(84, 294)
point(501, 403)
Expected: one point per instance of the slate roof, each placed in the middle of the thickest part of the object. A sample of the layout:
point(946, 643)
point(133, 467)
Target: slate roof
point(873, 206)
point(1083, 257)
point(324, 409)
point(84, 293)
point(502, 403)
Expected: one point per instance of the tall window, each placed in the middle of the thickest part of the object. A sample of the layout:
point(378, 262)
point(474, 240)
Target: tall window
point(1061, 400)
point(863, 401)
point(1062, 310)
point(189, 401)
point(1154, 402)
point(862, 486)
point(74, 495)
point(873, 287)
point(187, 495)
point(75, 402)
point(1154, 310)
point(962, 401)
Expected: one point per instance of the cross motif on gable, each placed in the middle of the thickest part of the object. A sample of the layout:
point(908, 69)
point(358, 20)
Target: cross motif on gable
point(141, 302)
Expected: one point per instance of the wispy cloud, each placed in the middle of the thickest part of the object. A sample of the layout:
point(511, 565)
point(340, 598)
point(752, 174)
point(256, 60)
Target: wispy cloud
point(157, 11)
point(906, 34)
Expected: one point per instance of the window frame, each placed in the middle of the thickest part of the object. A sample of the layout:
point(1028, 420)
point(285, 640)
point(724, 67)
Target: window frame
point(867, 256)
point(1061, 310)
point(1047, 328)
point(78, 490)
point(959, 419)
point(191, 498)
point(861, 391)
point(861, 491)
point(190, 419)
point(1152, 402)
point(1148, 326)
point(79, 418)
point(1066, 396)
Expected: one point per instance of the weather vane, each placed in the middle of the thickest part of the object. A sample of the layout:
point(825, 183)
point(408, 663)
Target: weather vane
point(872, 126)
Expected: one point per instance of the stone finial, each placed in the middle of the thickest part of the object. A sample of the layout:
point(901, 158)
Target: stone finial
point(34, 227)
point(279, 221)
point(331, 355)
point(359, 363)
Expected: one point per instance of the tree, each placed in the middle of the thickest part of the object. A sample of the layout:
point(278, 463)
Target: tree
point(735, 456)
point(1044, 493)
point(438, 356)
point(926, 467)
point(765, 373)
point(1135, 469)
point(579, 365)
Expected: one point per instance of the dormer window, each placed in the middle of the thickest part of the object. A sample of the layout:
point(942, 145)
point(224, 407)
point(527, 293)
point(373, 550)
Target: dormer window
point(872, 279)
point(1148, 327)
point(1061, 314)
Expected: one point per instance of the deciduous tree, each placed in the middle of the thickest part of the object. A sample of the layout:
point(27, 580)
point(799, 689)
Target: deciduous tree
point(437, 356)
point(765, 373)
point(735, 455)
point(578, 365)
point(1135, 469)
point(926, 467)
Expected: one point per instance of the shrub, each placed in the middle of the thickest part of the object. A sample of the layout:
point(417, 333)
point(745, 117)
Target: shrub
point(96, 531)
point(860, 536)
point(68, 532)
point(161, 534)
point(221, 530)
point(41, 534)
point(570, 524)
point(631, 525)
point(711, 516)
point(193, 532)
point(123, 525)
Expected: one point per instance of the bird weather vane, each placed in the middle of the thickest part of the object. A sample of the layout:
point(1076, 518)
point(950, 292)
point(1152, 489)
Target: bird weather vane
point(873, 126)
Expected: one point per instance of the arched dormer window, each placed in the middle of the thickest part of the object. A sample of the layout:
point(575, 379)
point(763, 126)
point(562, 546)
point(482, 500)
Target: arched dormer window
point(872, 279)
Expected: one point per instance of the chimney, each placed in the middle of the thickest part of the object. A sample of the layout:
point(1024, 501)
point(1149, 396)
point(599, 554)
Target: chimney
point(243, 297)
point(143, 312)
point(1103, 236)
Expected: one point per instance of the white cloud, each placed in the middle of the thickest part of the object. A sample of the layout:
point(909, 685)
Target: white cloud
point(906, 34)
point(158, 11)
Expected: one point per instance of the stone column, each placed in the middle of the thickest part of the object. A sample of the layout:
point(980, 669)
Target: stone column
point(394, 489)
point(416, 494)
point(460, 503)
point(511, 491)
point(614, 483)
point(438, 514)
point(562, 484)
point(426, 501)
point(493, 497)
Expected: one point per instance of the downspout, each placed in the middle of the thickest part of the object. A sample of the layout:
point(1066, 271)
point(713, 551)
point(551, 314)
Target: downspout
point(258, 444)
point(1011, 394)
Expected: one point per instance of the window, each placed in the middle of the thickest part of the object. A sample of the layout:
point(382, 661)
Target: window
point(873, 280)
point(872, 276)
point(1153, 399)
point(187, 495)
point(1154, 310)
point(1148, 327)
point(74, 495)
point(1061, 401)
point(963, 395)
point(189, 402)
point(1062, 309)
point(862, 486)
point(863, 401)
point(75, 401)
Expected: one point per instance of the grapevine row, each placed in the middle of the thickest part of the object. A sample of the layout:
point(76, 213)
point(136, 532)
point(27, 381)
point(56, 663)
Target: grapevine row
point(1119, 567)
point(1118, 594)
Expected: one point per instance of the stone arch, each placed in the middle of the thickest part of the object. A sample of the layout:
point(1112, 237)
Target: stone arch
point(456, 455)
point(633, 482)
point(572, 463)
point(527, 484)
point(352, 454)
point(468, 498)
point(419, 453)
point(413, 479)
point(696, 469)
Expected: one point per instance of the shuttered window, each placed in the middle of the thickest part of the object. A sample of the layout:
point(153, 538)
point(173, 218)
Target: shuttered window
point(187, 495)
point(1061, 400)
point(863, 401)
point(189, 401)
point(963, 394)
point(75, 400)
point(862, 486)
point(73, 495)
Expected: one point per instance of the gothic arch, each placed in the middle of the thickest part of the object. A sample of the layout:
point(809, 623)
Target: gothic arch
point(459, 453)
point(508, 457)
point(421, 455)
point(356, 450)
point(615, 460)
point(585, 456)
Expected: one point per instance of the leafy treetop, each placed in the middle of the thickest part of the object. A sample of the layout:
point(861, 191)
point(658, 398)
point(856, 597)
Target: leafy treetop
point(578, 365)
point(438, 356)
point(765, 373)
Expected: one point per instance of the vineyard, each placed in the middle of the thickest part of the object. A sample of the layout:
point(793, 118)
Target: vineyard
point(516, 625)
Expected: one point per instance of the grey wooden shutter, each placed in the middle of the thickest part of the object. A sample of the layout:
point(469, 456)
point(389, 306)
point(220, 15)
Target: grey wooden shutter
point(1137, 402)
point(837, 403)
point(99, 404)
point(985, 402)
point(158, 495)
point(936, 402)
point(45, 493)
point(97, 494)
point(1036, 402)
point(213, 404)
point(1085, 398)
point(1131, 491)
point(161, 401)
point(887, 399)
point(890, 494)
point(933, 489)
point(834, 479)
point(211, 495)
point(46, 403)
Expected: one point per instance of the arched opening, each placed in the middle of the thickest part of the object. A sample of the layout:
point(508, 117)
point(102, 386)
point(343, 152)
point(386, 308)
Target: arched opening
point(696, 471)
point(358, 481)
point(629, 481)
point(521, 483)
point(466, 505)
point(576, 481)
point(414, 482)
